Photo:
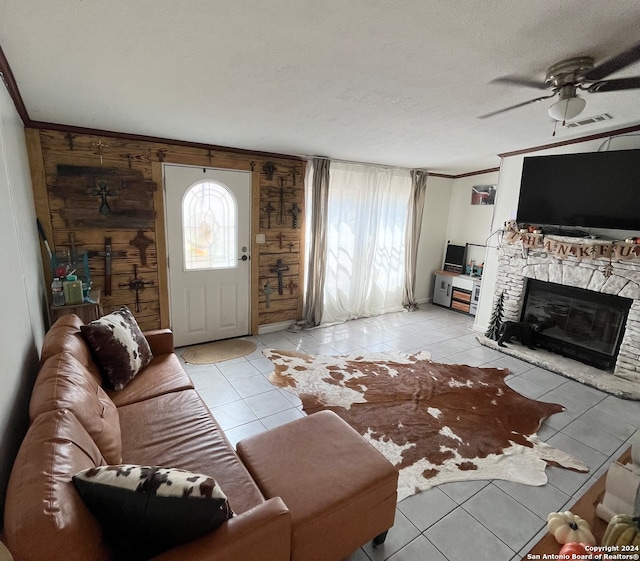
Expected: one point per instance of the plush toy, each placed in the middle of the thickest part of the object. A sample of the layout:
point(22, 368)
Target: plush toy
point(510, 226)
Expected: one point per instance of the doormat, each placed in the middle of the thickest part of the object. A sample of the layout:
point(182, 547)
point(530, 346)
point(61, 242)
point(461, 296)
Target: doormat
point(218, 351)
point(437, 423)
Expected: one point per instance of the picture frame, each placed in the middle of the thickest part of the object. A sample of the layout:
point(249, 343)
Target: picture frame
point(483, 194)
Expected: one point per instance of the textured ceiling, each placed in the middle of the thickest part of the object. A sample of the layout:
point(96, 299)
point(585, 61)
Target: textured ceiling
point(390, 82)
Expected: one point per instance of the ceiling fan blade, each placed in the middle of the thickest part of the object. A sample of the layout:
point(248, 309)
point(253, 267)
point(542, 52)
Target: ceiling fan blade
point(618, 62)
point(631, 83)
point(515, 106)
point(520, 81)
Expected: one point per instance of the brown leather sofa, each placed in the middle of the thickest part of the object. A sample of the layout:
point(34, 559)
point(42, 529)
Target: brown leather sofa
point(157, 419)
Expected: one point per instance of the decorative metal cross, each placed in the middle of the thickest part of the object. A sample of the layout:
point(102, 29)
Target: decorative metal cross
point(269, 169)
point(269, 209)
point(291, 286)
point(267, 290)
point(104, 192)
point(294, 211)
point(72, 244)
point(279, 269)
point(70, 138)
point(280, 238)
point(100, 146)
point(138, 285)
point(108, 254)
point(141, 243)
point(280, 192)
point(294, 172)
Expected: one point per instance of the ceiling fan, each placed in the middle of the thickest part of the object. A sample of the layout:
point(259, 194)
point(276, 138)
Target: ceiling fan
point(566, 77)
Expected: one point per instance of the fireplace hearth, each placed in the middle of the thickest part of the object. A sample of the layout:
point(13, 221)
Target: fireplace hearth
point(577, 323)
point(600, 327)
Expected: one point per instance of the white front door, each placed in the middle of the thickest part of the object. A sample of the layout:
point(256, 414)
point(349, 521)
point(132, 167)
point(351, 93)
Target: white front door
point(208, 234)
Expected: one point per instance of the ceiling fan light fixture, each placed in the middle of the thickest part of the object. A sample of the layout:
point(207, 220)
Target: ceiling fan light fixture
point(567, 108)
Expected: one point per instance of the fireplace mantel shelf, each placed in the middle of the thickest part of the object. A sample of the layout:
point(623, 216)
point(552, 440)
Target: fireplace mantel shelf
point(569, 368)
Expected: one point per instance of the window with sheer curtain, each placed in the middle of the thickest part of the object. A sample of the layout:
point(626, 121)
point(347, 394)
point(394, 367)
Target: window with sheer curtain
point(365, 259)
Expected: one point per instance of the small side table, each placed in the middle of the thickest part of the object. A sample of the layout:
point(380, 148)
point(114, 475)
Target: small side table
point(87, 312)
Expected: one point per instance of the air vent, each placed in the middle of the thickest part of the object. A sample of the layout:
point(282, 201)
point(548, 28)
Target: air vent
point(589, 121)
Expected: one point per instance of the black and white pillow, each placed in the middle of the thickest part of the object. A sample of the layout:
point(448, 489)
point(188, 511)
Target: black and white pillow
point(145, 510)
point(118, 345)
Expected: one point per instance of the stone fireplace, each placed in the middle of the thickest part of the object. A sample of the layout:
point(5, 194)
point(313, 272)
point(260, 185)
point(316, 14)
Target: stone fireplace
point(518, 263)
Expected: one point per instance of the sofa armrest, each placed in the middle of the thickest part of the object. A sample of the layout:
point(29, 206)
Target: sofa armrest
point(160, 341)
point(260, 534)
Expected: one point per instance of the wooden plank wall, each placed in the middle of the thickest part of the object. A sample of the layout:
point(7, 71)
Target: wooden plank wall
point(66, 169)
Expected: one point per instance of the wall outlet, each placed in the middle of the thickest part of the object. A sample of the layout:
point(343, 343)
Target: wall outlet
point(261, 238)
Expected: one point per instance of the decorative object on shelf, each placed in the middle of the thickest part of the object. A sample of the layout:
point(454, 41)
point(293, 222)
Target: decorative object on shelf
point(582, 250)
point(294, 211)
point(573, 548)
point(138, 285)
point(567, 527)
point(279, 269)
point(141, 243)
point(622, 486)
point(72, 288)
point(269, 169)
point(108, 253)
point(267, 290)
point(623, 531)
point(493, 332)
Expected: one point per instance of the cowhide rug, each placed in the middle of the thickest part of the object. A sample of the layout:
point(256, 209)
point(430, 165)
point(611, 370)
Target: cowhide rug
point(437, 422)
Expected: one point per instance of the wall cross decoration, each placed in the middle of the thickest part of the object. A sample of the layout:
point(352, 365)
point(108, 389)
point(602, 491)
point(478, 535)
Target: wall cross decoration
point(138, 285)
point(269, 169)
point(101, 146)
point(141, 243)
point(267, 290)
point(269, 209)
point(291, 285)
point(279, 269)
point(294, 211)
point(103, 192)
point(108, 255)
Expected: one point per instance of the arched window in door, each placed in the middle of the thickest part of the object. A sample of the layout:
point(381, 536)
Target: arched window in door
point(209, 227)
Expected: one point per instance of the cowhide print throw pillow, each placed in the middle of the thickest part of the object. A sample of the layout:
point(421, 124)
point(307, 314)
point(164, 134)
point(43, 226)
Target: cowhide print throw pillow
point(118, 345)
point(145, 510)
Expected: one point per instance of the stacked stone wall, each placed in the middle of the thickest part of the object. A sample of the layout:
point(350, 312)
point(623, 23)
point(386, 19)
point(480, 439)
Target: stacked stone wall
point(617, 277)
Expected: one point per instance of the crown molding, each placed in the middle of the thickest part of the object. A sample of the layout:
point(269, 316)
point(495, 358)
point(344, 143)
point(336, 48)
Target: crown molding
point(596, 136)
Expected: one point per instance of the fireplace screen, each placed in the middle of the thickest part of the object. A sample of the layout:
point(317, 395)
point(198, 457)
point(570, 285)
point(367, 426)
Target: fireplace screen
point(582, 324)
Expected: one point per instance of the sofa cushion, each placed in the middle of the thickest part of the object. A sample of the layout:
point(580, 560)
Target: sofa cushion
point(164, 374)
point(149, 509)
point(119, 346)
point(65, 335)
point(44, 516)
point(177, 429)
point(65, 383)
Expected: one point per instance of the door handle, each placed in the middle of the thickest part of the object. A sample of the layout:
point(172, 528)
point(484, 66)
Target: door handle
point(243, 258)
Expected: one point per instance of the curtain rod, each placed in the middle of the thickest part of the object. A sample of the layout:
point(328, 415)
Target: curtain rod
point(363, 163)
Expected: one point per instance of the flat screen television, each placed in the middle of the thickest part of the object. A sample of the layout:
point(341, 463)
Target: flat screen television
point(590, 190)
point(455, 257)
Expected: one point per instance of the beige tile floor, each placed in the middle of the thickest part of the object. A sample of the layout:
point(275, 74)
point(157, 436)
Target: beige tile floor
point(484, 520)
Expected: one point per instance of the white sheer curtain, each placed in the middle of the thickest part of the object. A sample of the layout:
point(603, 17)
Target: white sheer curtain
point(365, 261)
